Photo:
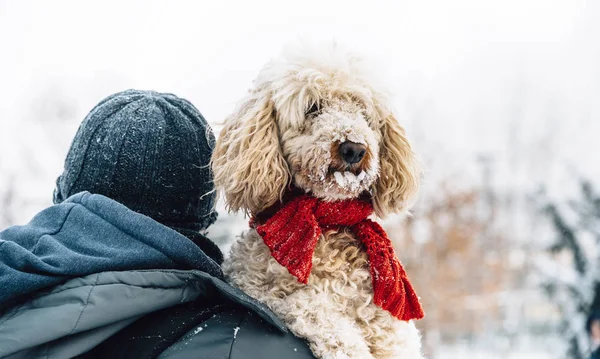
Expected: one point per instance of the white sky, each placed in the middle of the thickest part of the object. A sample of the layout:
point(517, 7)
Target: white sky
point(516, 79)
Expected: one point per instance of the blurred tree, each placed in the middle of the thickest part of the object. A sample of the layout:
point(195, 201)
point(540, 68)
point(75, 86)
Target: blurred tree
point(572, 273)
point(459, 263)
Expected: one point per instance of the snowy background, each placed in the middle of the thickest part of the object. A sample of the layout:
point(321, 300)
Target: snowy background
point(500, 98)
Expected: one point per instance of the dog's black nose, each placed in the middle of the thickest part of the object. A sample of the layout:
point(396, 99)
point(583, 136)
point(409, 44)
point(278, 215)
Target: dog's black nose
point(352, 152)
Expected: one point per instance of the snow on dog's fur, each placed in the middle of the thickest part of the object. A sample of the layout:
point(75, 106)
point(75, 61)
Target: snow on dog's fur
point(288, 132)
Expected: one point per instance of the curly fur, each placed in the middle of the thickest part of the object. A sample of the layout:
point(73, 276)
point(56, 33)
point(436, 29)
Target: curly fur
point(287, 132)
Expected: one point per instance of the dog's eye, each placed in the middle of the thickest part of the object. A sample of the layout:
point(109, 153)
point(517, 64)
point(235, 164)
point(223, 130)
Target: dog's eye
point(313, 110)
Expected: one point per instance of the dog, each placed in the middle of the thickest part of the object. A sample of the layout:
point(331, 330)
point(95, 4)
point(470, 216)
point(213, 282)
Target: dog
point(314, 126)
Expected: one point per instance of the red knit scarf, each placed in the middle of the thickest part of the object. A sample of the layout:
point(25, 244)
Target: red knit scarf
point(293, 231)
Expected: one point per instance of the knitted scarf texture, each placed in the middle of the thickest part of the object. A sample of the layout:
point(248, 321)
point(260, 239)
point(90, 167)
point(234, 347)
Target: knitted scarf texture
point(293, 231)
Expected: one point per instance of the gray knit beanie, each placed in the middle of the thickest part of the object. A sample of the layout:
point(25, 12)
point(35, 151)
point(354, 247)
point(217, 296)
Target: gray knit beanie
point(149, 151)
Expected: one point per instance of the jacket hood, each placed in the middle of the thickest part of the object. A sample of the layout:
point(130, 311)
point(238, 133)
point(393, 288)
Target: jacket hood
point(85, 234)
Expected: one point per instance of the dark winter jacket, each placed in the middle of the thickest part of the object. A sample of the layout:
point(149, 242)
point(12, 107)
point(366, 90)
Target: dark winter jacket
point(102, 281)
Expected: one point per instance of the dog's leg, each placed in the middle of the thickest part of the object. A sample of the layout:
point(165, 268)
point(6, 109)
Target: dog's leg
point(332, 335)
point(390, 338)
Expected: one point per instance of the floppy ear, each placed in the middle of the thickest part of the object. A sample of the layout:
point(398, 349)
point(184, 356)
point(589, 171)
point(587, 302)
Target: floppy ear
point(247, 162)
point(399, 171)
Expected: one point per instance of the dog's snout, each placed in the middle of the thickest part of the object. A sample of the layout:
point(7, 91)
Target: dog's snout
point(352, 152)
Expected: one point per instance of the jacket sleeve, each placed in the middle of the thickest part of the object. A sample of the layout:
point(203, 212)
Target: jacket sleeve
point(237, 334)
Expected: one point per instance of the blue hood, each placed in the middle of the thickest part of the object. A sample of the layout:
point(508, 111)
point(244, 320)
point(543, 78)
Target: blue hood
point(89, 233)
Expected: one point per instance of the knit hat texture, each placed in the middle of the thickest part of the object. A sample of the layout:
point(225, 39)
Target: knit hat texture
point(149, 151)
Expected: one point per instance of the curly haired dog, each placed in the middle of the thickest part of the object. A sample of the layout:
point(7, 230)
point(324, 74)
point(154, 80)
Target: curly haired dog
point(315, 123)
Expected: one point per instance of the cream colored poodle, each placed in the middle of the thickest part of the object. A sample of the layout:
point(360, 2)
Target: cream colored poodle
point(314, 129)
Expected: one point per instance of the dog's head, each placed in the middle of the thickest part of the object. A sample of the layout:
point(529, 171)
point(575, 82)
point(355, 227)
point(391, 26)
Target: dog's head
point(315, 121)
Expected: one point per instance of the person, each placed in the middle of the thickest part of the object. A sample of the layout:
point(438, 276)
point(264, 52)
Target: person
point(592, 326)
point(120, 266)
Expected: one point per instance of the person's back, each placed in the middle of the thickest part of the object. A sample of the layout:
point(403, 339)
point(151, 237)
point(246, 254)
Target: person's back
point(124, 271)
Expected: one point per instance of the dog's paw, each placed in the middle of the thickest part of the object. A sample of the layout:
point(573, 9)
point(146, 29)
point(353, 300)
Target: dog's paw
point(352, 354)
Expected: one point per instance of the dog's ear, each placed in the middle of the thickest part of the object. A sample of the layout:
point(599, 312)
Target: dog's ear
point(399, 170)
point(248, 165)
